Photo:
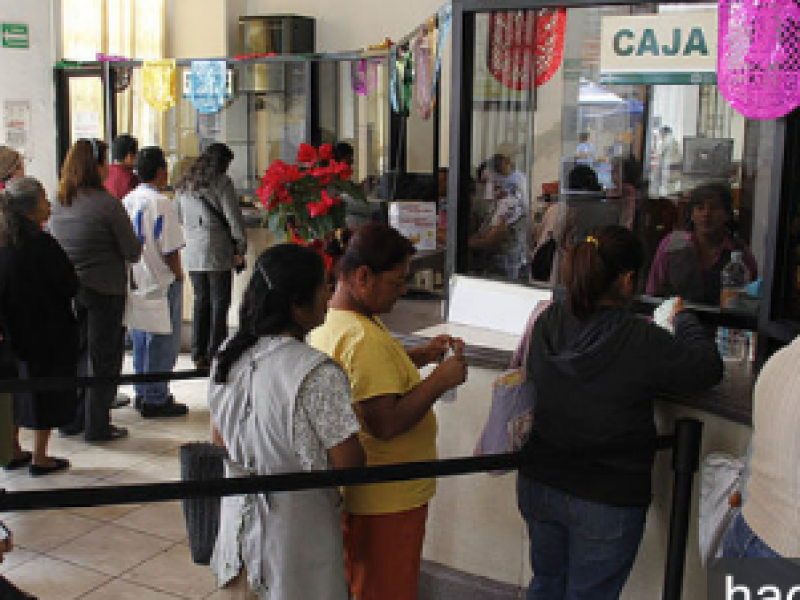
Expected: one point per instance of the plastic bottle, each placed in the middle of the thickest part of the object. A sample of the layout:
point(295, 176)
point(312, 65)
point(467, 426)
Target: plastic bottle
point(732, 343)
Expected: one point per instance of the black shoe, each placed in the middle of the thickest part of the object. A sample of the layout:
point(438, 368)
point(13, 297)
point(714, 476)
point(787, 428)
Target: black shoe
point(22, 460)
point(120, 401)
point(138, 402)
point(59, 464)
point(113, 433)
point(71, 429)
point(168, 409)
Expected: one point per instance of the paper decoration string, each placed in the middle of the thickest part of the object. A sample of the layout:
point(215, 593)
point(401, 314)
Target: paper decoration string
point(758, 58)
point(525, 48)
point(364, 76)
point(208, 83)
point(159, 83)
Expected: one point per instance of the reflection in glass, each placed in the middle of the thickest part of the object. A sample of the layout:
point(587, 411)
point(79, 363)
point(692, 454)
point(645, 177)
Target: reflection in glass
point(666, 161)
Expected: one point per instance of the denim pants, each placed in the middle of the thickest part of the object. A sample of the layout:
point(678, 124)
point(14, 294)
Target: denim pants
point(212, 299)
point(742, 542)
point(580, 550)
point(158, 353)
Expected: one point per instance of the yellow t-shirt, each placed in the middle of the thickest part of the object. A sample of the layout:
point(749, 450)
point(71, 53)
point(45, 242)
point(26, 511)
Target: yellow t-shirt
point(378, 365)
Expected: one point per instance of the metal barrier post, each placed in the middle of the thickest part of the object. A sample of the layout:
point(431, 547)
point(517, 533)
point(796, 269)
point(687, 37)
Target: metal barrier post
point(685, 463)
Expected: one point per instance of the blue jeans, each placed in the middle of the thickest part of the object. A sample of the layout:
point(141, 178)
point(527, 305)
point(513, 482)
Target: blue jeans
point(741, 542)
point(158, 353)
point(580, 550)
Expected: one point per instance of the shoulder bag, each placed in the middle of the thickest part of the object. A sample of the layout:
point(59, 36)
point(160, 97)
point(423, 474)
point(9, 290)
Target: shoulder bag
point(513, 397)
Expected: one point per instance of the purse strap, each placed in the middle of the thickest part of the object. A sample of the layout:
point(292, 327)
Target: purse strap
point(217, 213)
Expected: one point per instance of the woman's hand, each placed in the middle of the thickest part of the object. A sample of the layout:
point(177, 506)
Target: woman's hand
point(434, 350)
point(452, 371)
point(676, 308)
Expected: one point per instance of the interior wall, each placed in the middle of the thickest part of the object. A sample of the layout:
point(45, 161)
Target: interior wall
point(28, 75)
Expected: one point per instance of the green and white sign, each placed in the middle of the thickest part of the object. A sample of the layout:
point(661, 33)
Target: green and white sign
point(674, 48)
point(15, 35)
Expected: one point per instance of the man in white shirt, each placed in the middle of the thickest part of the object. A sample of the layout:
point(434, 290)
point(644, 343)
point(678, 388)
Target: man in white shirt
point(158, 274)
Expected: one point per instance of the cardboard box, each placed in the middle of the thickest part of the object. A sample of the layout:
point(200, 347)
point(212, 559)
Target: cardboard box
point(416, 221)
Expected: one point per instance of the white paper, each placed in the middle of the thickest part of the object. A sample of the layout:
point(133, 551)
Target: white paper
point(17, 126)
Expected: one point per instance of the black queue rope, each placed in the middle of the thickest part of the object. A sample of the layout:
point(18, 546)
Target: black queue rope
point(49, 384)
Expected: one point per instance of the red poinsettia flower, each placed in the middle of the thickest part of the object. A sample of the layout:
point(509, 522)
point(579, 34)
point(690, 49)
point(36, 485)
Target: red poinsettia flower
point(342, 169)
point(331, 201)
point(323, 174)
point(325, 152)
point(306, 154)
point(318, 209)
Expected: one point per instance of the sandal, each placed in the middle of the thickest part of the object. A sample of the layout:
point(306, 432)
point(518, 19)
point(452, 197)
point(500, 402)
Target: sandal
point(22, 460)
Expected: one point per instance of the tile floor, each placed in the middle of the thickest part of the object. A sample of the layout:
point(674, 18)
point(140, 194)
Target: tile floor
point(136, 552)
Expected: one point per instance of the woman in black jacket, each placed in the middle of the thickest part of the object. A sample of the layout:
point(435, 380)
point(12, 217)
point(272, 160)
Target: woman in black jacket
point(38, 284)
point(596, 369)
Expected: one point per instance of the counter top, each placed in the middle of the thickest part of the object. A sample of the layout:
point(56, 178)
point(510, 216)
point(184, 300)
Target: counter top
point(731, 399)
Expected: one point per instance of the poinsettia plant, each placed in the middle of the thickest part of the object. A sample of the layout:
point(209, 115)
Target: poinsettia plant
point(305, 200)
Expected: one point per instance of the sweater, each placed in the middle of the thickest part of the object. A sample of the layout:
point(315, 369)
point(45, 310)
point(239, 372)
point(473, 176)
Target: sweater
point(98, 236)
point(772, 506)
point(596, 380)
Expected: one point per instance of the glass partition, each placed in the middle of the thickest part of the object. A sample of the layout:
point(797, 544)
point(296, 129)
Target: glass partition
point(664, 156)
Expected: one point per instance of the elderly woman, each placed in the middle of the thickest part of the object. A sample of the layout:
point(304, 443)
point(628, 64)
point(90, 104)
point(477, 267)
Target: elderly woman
point(384, 524)
point(11, 165)
point(38, 283)
point(280, 406)
point(215, 244)
point(97, 235)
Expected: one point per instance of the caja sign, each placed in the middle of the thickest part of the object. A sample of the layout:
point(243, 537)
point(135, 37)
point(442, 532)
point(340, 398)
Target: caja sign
point(674, 48)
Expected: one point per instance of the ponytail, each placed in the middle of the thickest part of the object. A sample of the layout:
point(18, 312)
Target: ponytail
point(593, 265)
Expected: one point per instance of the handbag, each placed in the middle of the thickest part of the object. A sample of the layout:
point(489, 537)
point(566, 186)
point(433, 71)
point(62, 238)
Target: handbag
point(145, 313)
point(513, 396)
point(201, 461)
point(721, 479)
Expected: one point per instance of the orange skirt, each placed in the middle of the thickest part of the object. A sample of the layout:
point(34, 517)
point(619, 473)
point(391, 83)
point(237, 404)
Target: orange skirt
point(383, 554)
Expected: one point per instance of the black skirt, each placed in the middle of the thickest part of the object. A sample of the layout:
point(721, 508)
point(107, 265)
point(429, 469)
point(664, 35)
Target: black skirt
point(45, 410)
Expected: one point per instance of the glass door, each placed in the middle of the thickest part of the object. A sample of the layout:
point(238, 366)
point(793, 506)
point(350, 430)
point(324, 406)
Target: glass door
point(80, 106)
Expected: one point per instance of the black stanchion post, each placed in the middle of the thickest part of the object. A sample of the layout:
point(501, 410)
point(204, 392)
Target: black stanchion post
point(685, 462)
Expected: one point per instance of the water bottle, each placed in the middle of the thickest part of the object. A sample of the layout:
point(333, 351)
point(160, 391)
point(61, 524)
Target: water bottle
point(732, 343)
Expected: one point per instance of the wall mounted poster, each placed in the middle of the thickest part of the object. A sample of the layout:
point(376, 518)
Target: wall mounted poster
point(17, 126)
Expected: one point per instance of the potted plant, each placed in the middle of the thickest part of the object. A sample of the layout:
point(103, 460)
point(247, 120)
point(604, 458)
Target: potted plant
point(306, 200)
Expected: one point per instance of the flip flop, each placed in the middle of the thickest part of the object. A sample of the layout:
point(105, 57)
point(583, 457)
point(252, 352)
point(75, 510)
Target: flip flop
point(19, 462)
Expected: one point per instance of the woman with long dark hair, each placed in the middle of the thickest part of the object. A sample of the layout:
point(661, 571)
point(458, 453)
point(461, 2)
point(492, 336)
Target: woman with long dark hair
point(38, 283)
point(384, 524)
point(97, 235)
point(216, 243)
point(596, 368)
point(280, 406)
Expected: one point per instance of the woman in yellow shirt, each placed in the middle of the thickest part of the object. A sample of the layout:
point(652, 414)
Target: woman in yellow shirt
point(384, 524)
